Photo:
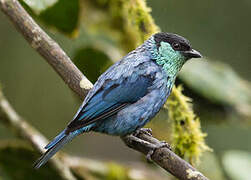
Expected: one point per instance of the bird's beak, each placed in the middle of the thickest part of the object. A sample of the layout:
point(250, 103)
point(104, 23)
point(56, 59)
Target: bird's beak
point(192, 54)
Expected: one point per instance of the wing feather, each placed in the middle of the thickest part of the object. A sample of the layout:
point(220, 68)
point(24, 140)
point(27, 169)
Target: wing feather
point(112, 98)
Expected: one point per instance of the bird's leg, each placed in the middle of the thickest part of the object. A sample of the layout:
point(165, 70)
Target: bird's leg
point(165, 144)
point(147, 131)
point(137, 141)
point(152, 145)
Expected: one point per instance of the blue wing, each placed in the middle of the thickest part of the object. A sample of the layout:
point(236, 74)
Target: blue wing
point(110, 98)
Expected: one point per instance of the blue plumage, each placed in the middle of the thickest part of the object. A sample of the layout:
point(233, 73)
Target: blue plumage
point(55, 140)
point(130, 93)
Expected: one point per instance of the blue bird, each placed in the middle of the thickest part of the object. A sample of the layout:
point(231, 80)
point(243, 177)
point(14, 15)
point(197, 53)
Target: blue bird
point(130, 93)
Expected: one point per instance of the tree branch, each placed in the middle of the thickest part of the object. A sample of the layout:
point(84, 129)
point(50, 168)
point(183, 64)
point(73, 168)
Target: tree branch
point(62, 64)
point(45, 46)
point(163, 156)
point(26, 131)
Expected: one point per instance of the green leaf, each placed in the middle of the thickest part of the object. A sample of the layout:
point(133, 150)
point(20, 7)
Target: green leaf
point(60, 14)
point(16, 160)
point(91, 62)
point(39, 5)
point(218, 83)
point(237, 164)
point(63, 15)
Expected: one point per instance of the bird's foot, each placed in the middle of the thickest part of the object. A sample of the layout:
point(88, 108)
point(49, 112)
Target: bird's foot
point(165, 144)
point(161, 145)
point(147, 131)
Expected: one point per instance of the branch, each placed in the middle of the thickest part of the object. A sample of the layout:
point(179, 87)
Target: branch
point(27, 132)
point(62, 64)
point(163, 156)
point(45, 46)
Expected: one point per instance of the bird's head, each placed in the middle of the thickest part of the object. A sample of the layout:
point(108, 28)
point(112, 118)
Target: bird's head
point(171, 51)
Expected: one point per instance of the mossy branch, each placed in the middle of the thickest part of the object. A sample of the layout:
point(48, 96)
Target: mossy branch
point(62, 64)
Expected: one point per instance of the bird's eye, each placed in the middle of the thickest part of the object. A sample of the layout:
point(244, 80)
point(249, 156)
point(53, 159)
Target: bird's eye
point(176, 45)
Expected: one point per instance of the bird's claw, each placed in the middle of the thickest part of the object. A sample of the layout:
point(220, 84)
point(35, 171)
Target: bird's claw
point(149, 155)
point(161, 145)
point(165, 144)
point(147, 131)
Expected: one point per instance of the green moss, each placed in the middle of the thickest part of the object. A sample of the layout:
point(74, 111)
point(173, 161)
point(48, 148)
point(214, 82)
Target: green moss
point(187, 136)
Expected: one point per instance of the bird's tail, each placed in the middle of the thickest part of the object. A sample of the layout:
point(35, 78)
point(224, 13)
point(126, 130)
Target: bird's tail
point(54, 146)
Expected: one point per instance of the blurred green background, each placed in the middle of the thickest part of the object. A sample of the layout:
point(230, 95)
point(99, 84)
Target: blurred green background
point(219, 29)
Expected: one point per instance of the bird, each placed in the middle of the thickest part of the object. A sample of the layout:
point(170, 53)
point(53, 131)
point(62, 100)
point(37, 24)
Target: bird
point(129, 93)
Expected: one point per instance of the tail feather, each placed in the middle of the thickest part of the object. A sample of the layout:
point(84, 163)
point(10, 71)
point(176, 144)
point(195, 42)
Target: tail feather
point(56, 140)
point(54, 147)
point(57, 143)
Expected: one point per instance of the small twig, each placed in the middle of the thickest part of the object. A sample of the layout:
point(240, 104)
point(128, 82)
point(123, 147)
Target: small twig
point(133, 171)
point(62, 64)
point(27, 132)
